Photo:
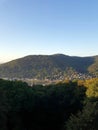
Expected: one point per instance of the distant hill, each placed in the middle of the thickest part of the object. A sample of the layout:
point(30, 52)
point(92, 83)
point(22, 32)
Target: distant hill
point(45, 66)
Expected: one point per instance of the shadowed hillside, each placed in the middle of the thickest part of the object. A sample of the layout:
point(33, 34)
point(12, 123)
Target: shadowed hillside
point(44, 66)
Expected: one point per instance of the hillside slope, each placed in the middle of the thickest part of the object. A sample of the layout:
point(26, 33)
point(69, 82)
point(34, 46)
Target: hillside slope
point(41, 66)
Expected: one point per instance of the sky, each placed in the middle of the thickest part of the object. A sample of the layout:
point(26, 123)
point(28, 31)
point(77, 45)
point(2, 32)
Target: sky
point(33, 27)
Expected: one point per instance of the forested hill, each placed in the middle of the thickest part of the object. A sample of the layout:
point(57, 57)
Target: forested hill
point(45, 66)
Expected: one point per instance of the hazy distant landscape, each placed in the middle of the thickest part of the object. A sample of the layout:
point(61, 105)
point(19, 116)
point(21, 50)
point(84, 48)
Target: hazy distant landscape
point(48, 64)
point(43, 92)
point(50, 67)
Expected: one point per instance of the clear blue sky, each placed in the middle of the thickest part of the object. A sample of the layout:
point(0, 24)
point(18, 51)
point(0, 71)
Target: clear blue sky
point(48, 26)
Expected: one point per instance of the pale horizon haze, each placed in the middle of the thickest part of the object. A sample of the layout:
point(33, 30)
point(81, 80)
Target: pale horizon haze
point(33, 27)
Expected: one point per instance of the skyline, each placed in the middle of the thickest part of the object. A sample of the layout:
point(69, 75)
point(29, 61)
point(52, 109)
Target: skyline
point(30, 27)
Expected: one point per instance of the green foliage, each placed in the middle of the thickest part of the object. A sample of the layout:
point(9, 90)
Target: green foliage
point(40, 107)
point(73, 104)
point(85, 120)
point(92, 87)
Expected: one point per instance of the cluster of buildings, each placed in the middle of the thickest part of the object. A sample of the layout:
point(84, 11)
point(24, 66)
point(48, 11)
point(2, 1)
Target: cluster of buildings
point(53, 78)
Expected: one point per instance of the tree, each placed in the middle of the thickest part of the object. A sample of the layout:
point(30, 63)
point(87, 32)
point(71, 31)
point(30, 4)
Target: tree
point(92, 87)
point(85, 120)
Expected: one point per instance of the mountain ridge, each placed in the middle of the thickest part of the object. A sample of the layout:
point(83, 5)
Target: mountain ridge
point(45, 66)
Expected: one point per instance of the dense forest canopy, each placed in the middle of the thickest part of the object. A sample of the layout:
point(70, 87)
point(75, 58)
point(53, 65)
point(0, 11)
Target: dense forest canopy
point(68, 105)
